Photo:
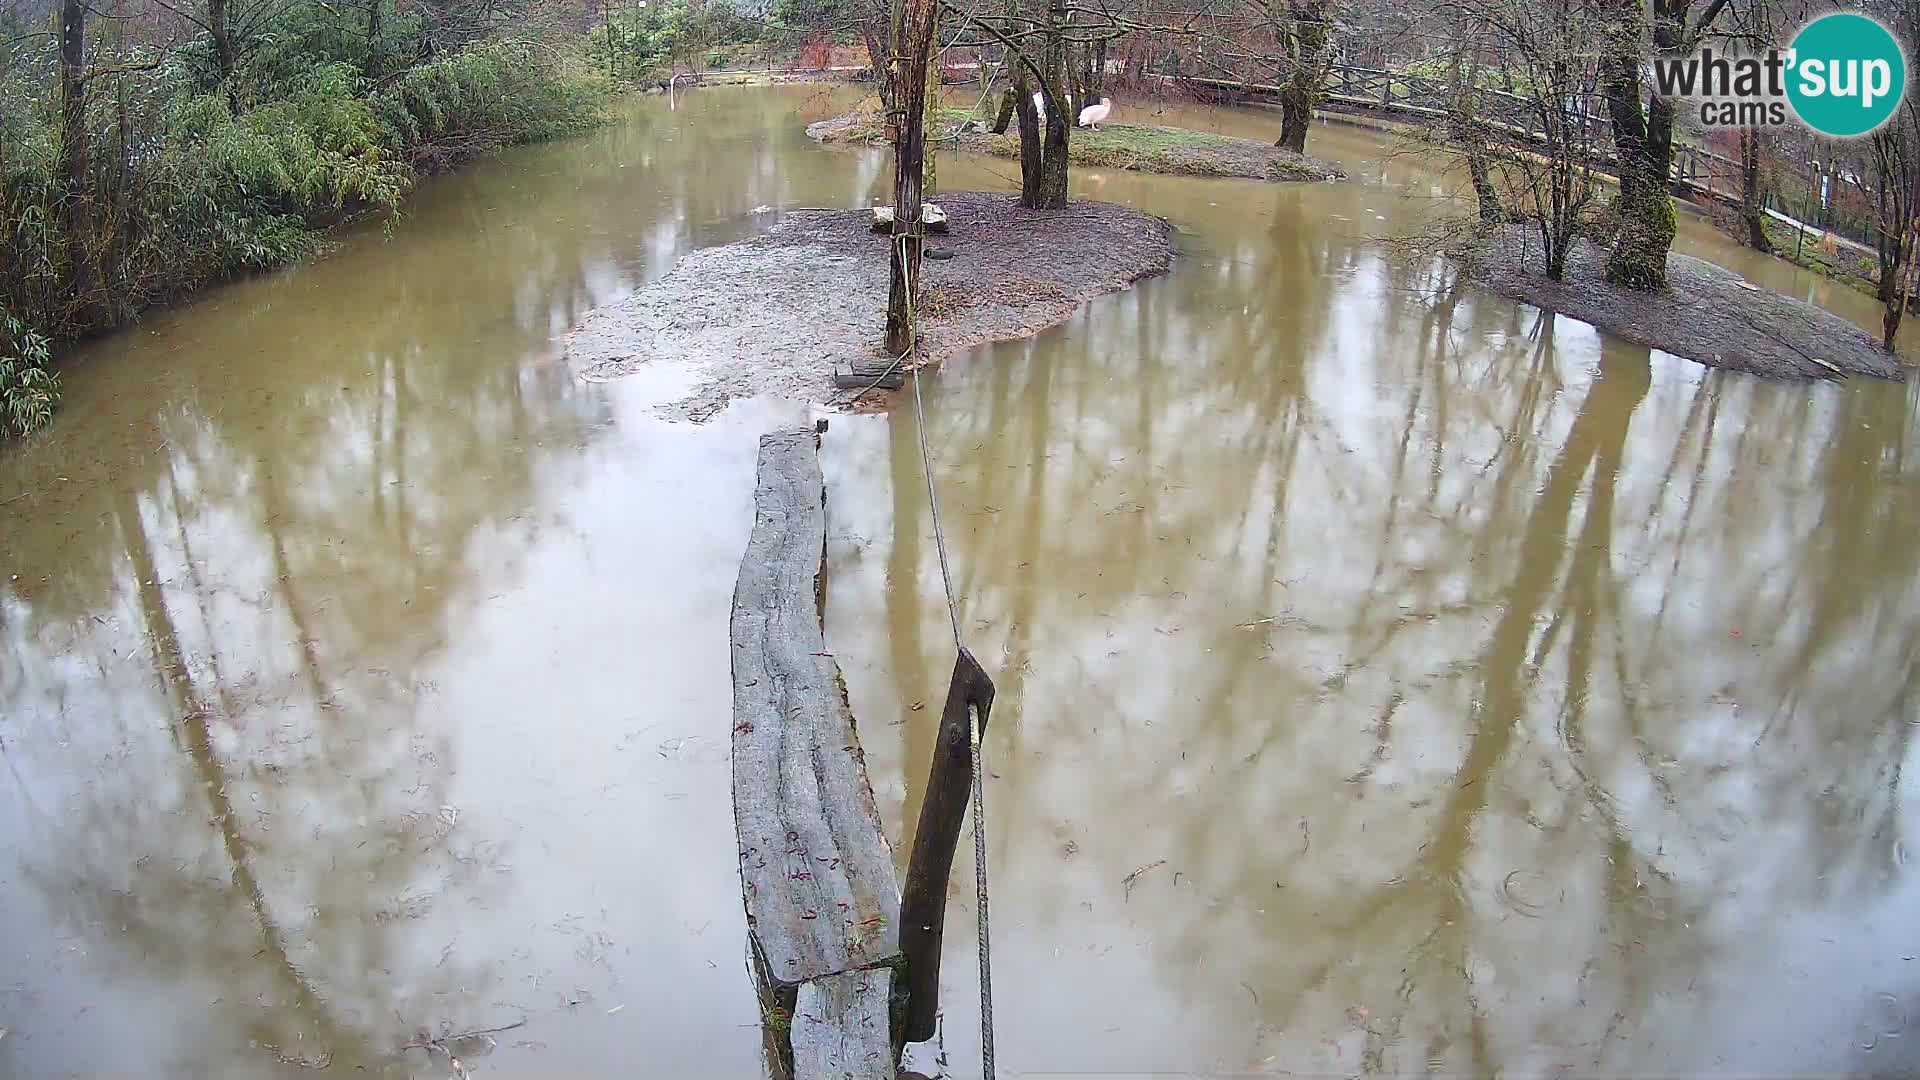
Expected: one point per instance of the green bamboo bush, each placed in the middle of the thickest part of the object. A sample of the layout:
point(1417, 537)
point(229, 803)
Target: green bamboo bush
point(28, 386)
point(190, 178)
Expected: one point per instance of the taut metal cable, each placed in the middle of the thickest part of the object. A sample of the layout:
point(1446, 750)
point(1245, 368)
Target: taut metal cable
point(980, 898)
point(933, 502)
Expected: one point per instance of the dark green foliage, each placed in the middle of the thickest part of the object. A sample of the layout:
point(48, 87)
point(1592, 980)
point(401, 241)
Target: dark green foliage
point(486, 97)
point(191, 178)
point(28, 385)
point(818, 13)
point(668, 35)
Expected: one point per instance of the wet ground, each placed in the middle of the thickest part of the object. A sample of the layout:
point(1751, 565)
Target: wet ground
point(776, 314)
point(1392, 677)
point(1179, 151)
point(1705, 312)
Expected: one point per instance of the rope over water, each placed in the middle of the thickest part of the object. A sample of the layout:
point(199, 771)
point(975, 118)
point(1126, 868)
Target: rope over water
point(984, 941)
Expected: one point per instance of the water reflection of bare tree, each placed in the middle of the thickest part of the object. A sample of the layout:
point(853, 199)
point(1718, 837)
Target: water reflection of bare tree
point(327, 971)
point(290, 583)
point(1475, 711)
point(290, 539)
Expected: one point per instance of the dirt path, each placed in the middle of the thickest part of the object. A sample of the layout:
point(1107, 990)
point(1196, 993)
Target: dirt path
point(1176, 151)
point(772, 315)
point(1707, 313)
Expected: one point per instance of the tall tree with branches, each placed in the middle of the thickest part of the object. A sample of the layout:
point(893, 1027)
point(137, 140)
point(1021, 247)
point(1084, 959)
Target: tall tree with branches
point(1643, 127)
point(1547, 46)
point(1894, 169)
point(1043, 52)
point(77, 203)
point(1304, 34)
point(915, 25)
point(1035, 49)
point(1758, 24)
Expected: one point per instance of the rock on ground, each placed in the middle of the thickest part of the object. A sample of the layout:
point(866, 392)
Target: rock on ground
point(1707, 313)
point(773, 314)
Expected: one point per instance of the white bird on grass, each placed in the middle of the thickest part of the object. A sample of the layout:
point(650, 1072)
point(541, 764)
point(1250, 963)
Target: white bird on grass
point(1091, 116)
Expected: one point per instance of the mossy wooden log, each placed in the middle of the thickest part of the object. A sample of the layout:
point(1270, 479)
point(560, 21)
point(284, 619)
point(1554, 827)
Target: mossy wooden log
point(821, 896)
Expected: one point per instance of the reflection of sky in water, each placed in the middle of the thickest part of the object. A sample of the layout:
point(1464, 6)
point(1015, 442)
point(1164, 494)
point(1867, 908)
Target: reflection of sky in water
point(1499, 698)
point(1495, 696)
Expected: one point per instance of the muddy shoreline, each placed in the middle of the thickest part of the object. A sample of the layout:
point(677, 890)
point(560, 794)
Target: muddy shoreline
point(1170, 151)
point(773, 314)
point(1707, 313)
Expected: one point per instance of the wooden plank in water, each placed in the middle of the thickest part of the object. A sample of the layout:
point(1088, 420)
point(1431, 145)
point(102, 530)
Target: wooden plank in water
point(840, 1027)
point(821, 895)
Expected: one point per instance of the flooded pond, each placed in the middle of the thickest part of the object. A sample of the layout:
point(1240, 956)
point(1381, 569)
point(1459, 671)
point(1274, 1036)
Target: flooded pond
point(1393, 678)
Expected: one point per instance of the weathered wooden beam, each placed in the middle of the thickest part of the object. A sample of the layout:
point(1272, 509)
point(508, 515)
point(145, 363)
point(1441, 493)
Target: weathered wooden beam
point(923, 906)
point(840, 1027)
point(868, 374)
point(821, 896)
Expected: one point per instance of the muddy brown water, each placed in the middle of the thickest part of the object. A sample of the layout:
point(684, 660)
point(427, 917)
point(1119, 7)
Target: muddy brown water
point(1393, 678)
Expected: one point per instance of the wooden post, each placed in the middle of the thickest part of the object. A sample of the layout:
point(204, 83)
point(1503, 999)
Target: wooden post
point(916, 19)
point(923, 902)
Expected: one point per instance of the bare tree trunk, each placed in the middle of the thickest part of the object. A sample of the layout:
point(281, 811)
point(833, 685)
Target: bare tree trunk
point(877, 56)
point(1030, 150)
point(1645, 152)
point(929, 167)
point(1082, 77)
point(376, 27)
point(1893, 297)
point(1053, 156)
point(1896, 175)
point(434, 27)
point(118, 229)
point(1308, 53)
point(1643, 135)
point(1752, 196)
point(1003, 117)
point(1465, 132)
point(1053, 163)
point(1480, 171)
point(77, 208)
point(225, 57)
point(916, 21)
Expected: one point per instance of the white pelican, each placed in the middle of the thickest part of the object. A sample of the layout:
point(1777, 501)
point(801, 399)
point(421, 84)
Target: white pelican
point(1091, 116)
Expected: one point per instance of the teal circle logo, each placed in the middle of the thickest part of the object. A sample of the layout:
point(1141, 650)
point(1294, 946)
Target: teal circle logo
point(1847, 74)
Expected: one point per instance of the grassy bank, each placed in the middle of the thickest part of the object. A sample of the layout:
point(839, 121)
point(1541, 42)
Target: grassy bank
point(185, 178)
point(1845, 265)
point(1175, 151)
